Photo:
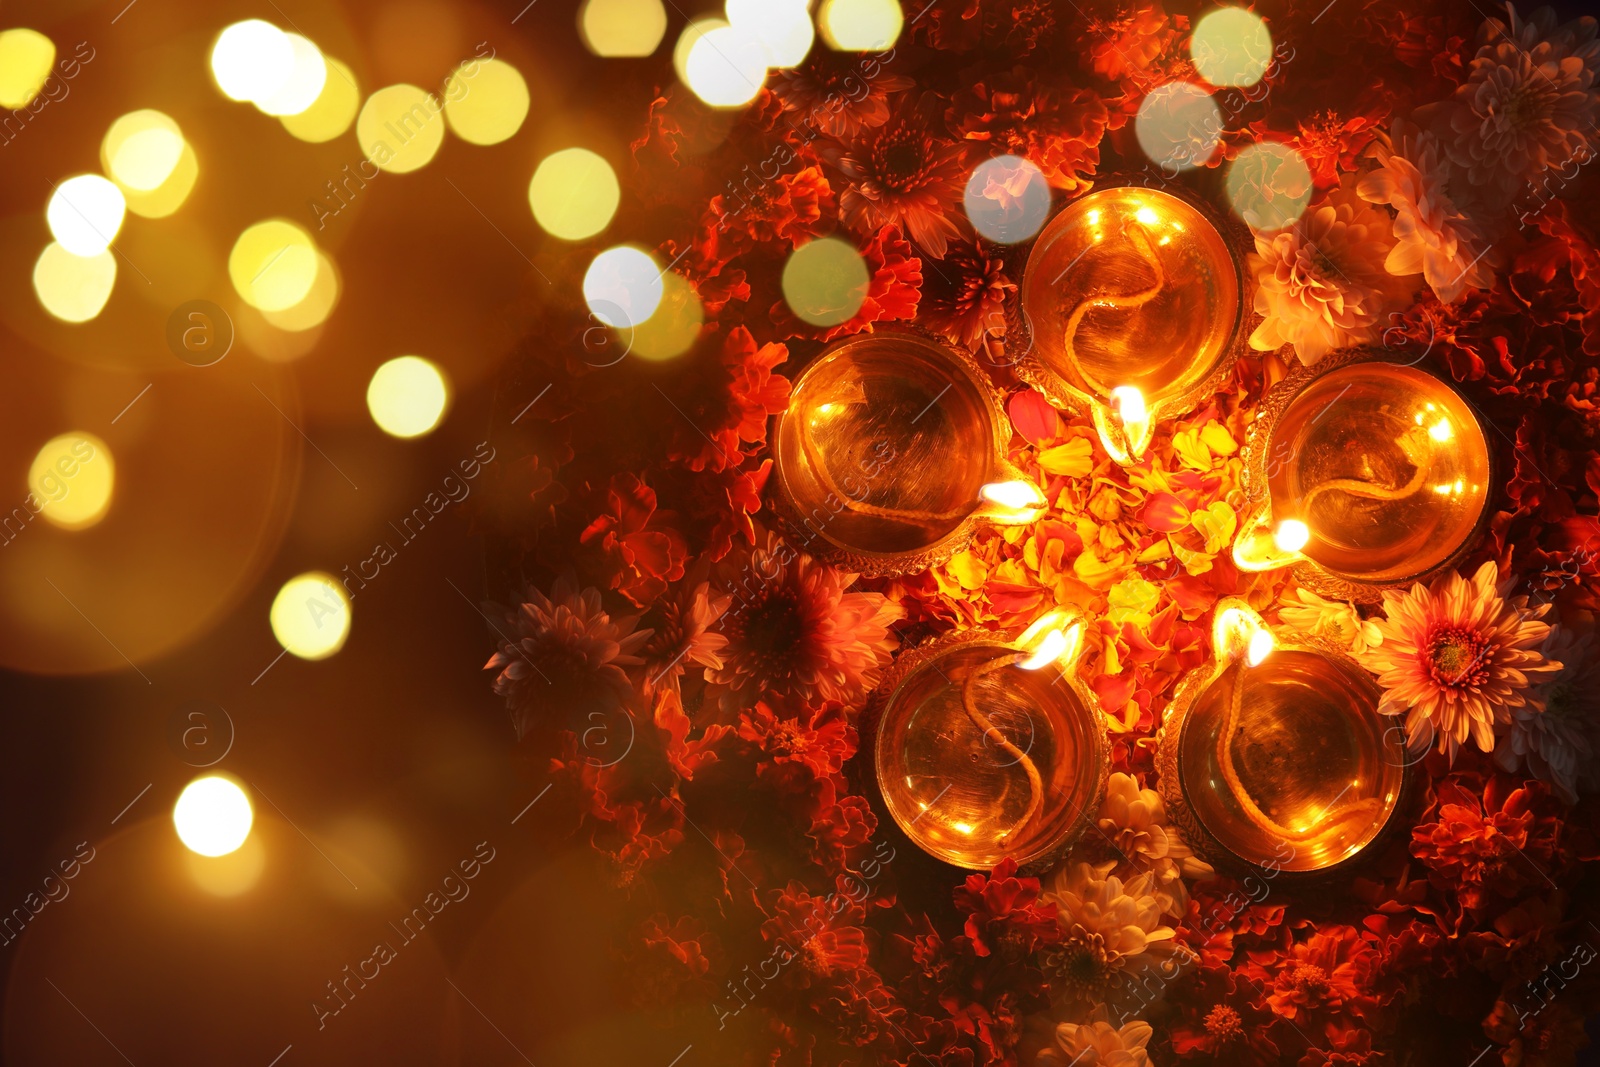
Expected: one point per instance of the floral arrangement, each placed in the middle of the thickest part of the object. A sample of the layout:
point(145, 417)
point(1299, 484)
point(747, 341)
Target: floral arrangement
point(691, 682)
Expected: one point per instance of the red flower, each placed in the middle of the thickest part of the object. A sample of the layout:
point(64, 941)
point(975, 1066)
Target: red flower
point(837, 94)
point(1003, 913)
point(820, 738)
point(726, 405)
point(1058, 129)
point(638, 554)
point(819, 932)
point(1346, 1048)
point(1221, 1021)
point(904, 173)
point(788, 210)
point(685, 756)
point(892, 291)
point(672, 961)
point(1326, 972)
point(965, 298)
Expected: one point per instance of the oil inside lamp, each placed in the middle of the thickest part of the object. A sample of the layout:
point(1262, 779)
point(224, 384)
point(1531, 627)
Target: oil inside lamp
point(890, 445)
point(1380, 475)
point(982, 754)
point(1283, 752)
point(1133, 299)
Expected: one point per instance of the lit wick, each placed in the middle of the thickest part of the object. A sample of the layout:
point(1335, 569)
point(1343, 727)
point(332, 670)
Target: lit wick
point(1043, 643)
point(1019, 501)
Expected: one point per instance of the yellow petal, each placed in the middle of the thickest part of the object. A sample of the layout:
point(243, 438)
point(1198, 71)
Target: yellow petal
point(1074, 459)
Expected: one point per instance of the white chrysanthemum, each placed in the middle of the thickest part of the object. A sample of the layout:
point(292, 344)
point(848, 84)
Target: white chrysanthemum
point(1098, 1044)
point(1335, 620)
point(1559, 742)
point(1435, 228)
point(1134, 821)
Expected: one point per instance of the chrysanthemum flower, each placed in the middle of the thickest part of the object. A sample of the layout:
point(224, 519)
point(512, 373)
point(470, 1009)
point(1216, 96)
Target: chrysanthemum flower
point(563, 656)
point(1098, 1044)
point(904, 173)
point(686, 634)
point(965, 298)
point(1335, 620)
point(1559, 741)
point(1134, 821)
point(1457, 658)
point(1106, 922)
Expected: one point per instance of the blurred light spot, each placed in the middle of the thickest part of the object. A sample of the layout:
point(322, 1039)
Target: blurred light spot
point(1231, 46)
point(304, 83)
point(696, 29)
point(400, 129)
point(72, 477)
point(273, 265)
point(26, 57)
point(252, 60)
point(825, 282)
point(860, 25)
point(73, 288)
point(485, 101)
point(170, 195)
point(212, 816)
point(1007, 199)
point(318, 304)
point(407, 396)
point(1269, 185)
point(85, 214)
point(783, 27)
point(574, 193)
point(1179, 125)
point(726, 66)
point(622, 27)
point(311, 616)
point(333, 110)
point(232, 874)
point(141, 150)
point(623, 286)
point(674, 327)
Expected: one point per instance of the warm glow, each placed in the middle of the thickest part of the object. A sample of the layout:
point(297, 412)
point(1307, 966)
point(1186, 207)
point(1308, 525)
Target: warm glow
point(1050, 646)
point(574, 193)
point(1292, 535)
point(304, 83)
point(252, 60)
point(141, 150)
point(1178, 125)
point(623, 286)
point(1269, 185)
point(85, 214)
point(26, 57)
point(212, 816)
point(1441, 430)
point(170, 195)
point(726, 66)
point(1022, 501)
point(1050, 639)
point(696, 29)
point(486, 101)
point(783, 26)
point(73, 288)
point(825, 282)
point(860, 25)
point(1237, 629)
point(617, 28)
point(407, 396)
point(318, 304)
point(1231, 46)
point(273, 265)
point(333, 110)
point(1007, 199)
point(1260, 647)
point(1147, 216)
point(1129, 403)
point(399, 128)
point(675, 326)
point(311, 616)
point(71, 478)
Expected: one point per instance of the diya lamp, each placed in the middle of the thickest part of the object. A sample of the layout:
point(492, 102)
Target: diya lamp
point(1364, 475)
point(1275, 755)
point(1132, 299)
point(982, 753)
point(891, 456)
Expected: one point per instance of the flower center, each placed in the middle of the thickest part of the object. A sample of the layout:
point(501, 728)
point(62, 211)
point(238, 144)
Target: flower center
point(773, 626)
point(1309, 978)
point(1080, 965)
point(1457, 656)
point(1223, 1023)
point(902, 162)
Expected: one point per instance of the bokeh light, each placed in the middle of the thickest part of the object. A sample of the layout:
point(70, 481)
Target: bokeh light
point(311, 616)
point(726, 67)
point(170, 195)
point(825, 282)
point(303, 85)
point(26, 57)
point(71, 478)
point(696, 28)
point(85, 214)
point(616, 28)
point(1007, 199)
point(574, 193)
point(73, 288)
point(485, 101)
point(317, 305)
point(212, 816)
point(333, 110)
point(623, 286)
point(400, 128)
point(141, 150)
point(1269, 185)
point(1231, 46)
point(251, 60)
point(783, 27)
point(407, 396)
point(674, 327)
point(273, 265)
point(1178, 125)
point(861, 25)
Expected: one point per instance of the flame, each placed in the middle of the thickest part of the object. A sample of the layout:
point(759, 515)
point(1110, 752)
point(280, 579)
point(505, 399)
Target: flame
point(1292, 535)
point(1021, 500)
point(1054, 637)
point(1237, 630)
point(1125, 427)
